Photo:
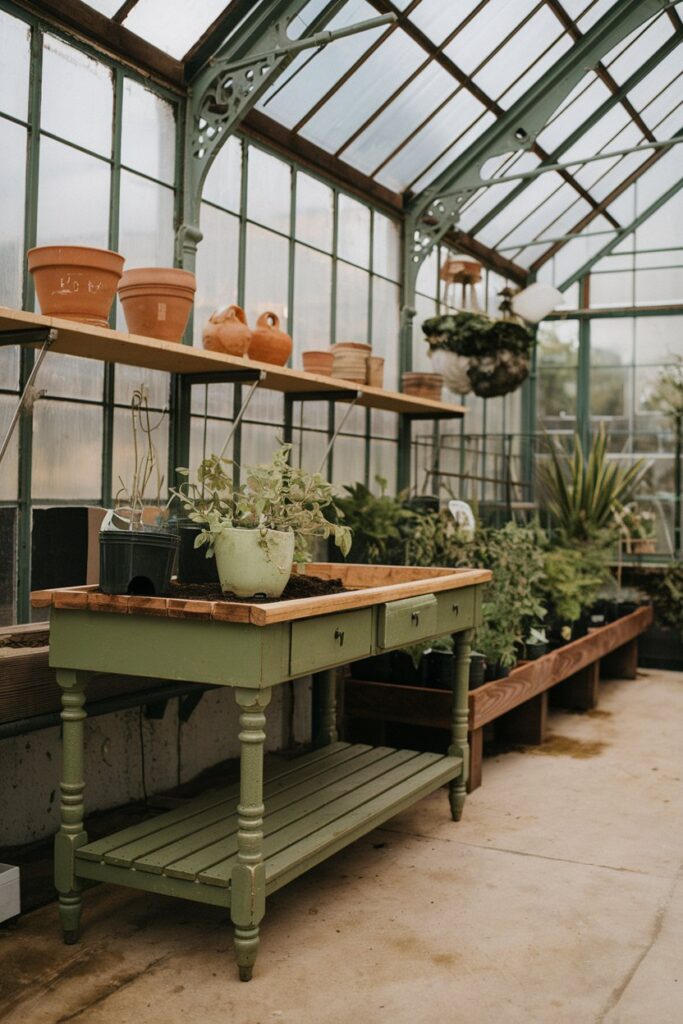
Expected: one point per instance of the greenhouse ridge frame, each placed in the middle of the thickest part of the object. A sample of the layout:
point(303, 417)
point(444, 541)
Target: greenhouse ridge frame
point(240, 72)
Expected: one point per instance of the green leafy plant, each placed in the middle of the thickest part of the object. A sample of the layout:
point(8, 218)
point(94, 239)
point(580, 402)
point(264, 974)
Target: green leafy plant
point(574, 577)
point(277, 496)
point(436, 538)
point(380, 524)
point(668, 392)
point(666, 591)
point(536, 636)
point(583, 490)
point(477, 334)
point(416, 652)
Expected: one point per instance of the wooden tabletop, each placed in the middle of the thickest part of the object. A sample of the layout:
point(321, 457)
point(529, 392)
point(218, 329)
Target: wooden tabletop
point(367, 585)
point(109, 346)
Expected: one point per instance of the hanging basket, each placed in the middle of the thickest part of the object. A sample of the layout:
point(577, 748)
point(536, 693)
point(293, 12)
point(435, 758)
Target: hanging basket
point(499, 374)
point(453, 368)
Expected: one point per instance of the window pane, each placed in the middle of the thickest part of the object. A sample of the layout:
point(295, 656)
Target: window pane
point(217, 258)
point(15, 39)
point(71, 377)
point(352, 304)
point(314, 212)
point(148, 132)
point(123, 458)
point(557, 395)
point(267, 275)
point(173, 26)
point(386, 247)
point(658, 339)
point(269, 190)
point(145, 223)
point(77, 97)
point(386, 329)
point(610, 392)
point(13, 148)
point(437, 19)
point(354, 231)
point(611, 342)
point(661, 285)
point(312, 299)
point(67, 451)
point(73, 197)
point(612, 289)
point(10, 462)
point(484, 33)
point(223, 184)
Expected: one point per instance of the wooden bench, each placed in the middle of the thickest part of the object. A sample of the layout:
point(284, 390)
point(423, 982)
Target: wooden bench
point(518, 703)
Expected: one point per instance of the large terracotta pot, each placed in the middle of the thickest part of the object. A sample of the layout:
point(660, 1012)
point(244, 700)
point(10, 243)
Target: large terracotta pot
point(227, 331)
point(75, 282)
point(422, 385)
point(350, 360)
point(318, 361)
point(157, 301)
point(268, 343)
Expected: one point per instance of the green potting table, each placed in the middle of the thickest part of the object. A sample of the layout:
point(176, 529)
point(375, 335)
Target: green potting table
point(223, 848)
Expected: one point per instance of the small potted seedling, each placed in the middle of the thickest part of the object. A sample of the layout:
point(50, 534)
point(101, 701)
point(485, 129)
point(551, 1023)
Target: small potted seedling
point(137, 541)
point(536, 644)
point(260, 527)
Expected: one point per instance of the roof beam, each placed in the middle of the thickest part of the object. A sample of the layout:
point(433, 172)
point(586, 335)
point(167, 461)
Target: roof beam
point(614, 194)
point(518, 127)
point(465, 243)
point(204, 47)
point(86, 23)
point(621, 234)
point(642, 72)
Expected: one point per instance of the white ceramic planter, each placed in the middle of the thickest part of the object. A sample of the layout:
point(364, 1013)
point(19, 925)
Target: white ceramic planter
point(247, 567)
point(453, 368)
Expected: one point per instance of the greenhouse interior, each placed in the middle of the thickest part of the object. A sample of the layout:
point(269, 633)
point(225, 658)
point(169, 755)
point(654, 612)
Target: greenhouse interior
point(341, 572)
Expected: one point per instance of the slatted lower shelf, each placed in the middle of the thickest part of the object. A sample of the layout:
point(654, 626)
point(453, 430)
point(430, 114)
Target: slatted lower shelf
point(314, 807)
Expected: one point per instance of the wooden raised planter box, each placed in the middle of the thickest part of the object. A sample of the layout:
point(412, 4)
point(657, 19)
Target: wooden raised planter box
point(572, 671)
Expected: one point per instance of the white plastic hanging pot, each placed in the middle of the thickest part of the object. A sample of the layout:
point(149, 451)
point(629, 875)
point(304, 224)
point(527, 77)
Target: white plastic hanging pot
point(453, 368)
point(251, 562)
point(534, 303)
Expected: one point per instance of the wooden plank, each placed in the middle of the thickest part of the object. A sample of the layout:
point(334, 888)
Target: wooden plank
point(412, 705)
point(98, 849)
point(110, 346)
point(173, 842)
point(332, 811)
point(580, 691)
point(621, 663)
point(527, 723)
point(331, 838)
point(476, 741)
point(290, 811)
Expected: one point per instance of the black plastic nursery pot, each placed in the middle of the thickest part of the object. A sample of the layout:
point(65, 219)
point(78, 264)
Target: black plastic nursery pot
point(137, 562)
point(440, 669)
point(496, 671)
point(193, 565)
point(535, 651)
point(661, 647)
point(404, 671)
point(477, 670)
point(374, 670)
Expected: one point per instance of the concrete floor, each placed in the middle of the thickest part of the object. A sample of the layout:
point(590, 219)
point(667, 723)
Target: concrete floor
point(558, 898)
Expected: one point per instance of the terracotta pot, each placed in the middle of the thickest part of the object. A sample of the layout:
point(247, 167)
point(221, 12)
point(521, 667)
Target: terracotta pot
point(350, 361)
point(227, 331)
point(157, 301)
point(318, 362)
point(75, 281)
point(423, 385)
point(268, 343)
point(374, 371)
point(643, 545)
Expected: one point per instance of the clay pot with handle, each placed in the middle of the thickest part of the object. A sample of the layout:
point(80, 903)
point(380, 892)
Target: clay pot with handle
point(269, 344)
point(227, 331)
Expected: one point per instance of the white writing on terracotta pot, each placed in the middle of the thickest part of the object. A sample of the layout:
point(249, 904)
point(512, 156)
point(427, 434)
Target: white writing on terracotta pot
point(68, 285)
point(161, 310)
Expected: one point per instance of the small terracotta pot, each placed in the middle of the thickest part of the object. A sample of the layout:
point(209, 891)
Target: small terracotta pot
point(375, 371)
point(350, 359)
point(75, 282)
point(318, 362)
point(268, 343)
point(423, 385)
point(157, 301)
point(227, 331)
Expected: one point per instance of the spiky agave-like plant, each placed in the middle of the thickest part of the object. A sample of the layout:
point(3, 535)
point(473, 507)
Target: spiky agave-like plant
point(584, 490)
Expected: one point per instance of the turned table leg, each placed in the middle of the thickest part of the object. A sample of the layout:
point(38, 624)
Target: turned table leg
point(248, 878)
point(71, 833)
point(459, 746)
point(325, 707)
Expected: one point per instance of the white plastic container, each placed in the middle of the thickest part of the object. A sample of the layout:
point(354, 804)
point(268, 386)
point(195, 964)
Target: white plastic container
point(10, 904)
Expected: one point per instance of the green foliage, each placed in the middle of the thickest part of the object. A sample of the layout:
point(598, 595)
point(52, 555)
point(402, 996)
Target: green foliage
point(513, 598)
point(277, 496)
point(380, 524)
point(436, 539)
point(574, 577)
point(477, 334)
point(583, 491)
point(416, 652)
point(666, 590)
point(668, 392)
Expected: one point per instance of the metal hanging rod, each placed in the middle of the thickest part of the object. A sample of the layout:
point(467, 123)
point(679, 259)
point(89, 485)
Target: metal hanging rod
point(28, 395)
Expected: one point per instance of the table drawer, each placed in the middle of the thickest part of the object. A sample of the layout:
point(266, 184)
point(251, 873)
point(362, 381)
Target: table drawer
point(330, 640)
point(456, 610)
point(406, 622)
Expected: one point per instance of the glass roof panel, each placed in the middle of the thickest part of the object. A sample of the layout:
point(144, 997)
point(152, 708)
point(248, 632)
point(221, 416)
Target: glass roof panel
point(486, 31)
point(504, 67)
point(520, 208)
point(599, 135)
point(311, 75)
point(649, 87)
point(465, 140)
point(664, 227)
point(575, 253)
point(671, 125)
point(172, 25)
point(366, 90)
point(639, 49)
point(593, 12)
point(571, 116)
point(556, 216)
point(663, 107)
point(434, 137)
point(106, 7)
point(438, 19)
point(525, 80)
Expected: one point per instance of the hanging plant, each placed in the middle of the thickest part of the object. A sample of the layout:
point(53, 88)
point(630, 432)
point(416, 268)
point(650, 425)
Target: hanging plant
point(476, 353)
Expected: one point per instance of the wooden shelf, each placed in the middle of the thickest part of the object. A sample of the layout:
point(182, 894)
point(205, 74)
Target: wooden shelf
point(315, 806)
point(109, 346)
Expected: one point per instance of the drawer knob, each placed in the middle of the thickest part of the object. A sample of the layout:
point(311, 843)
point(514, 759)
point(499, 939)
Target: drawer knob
point(456, 609)
point(415, 618)
point(339, 635)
